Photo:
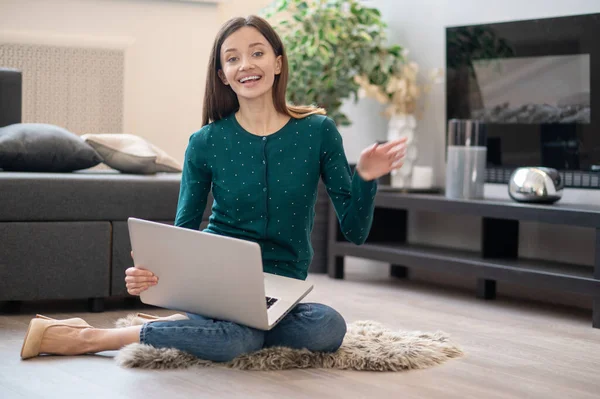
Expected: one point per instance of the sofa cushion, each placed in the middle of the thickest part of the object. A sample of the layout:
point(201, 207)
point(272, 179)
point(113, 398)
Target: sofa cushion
point(131, 154)
point(40, 147)
point(88, 196)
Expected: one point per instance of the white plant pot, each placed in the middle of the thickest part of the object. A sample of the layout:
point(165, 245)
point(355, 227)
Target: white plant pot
point(403, 125)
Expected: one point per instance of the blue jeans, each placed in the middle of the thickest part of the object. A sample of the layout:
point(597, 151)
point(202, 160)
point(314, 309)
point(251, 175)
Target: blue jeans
point(313, 326)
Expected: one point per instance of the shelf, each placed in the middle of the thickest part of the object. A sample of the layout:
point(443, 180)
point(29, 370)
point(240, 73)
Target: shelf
point(498, 258)
point(562, 276)
point(557, 213)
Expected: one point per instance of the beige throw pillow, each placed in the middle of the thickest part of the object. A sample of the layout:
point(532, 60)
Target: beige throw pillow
point(131, 154)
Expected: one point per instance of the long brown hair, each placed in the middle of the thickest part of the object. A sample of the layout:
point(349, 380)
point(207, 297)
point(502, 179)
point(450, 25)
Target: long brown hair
point(220, 100)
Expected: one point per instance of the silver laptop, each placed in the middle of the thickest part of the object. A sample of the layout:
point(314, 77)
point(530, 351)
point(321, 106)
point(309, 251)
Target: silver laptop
point(214, 276)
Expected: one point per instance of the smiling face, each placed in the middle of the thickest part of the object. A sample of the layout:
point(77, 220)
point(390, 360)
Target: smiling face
point(249, 64)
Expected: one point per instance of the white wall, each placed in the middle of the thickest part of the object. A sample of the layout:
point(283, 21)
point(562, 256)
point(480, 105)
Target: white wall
point(419, 26)
point(240, 8)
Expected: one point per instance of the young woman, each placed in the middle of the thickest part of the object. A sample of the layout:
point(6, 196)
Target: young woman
point(262, 159)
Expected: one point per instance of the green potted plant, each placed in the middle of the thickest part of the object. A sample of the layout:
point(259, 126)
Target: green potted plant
point(328, 44)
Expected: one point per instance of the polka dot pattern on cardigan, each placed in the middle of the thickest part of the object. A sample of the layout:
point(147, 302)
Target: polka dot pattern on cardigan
point(265, 188)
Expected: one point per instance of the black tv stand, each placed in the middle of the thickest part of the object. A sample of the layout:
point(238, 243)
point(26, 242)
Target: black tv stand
point(498, 259)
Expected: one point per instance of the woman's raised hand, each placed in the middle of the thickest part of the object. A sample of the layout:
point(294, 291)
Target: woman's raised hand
point(380, 159)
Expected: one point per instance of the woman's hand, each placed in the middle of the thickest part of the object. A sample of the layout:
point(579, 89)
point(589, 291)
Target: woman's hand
point(138, 280)
point(380, 159)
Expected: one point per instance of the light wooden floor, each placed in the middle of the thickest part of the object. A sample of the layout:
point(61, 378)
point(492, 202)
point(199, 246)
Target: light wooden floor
point(514, 349)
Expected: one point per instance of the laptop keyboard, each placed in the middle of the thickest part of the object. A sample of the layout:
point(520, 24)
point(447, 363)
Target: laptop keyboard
point(270, 301)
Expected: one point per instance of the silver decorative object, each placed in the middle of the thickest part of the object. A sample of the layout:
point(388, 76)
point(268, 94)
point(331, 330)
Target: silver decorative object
point(535, 184)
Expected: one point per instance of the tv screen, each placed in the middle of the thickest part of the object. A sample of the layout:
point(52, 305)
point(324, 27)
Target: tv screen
point(534, 83)
point(546, 89)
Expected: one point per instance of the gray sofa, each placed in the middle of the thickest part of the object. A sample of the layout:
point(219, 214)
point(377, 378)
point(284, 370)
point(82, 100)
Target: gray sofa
point(65, 236)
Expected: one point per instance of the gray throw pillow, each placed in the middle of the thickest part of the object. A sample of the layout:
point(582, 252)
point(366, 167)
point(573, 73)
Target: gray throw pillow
point(40, 147)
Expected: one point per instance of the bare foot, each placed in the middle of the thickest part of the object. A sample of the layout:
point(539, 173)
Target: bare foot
point(65, 340)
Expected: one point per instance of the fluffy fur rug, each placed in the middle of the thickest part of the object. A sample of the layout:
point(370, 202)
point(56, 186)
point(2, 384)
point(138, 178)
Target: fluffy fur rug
point(368, 345)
